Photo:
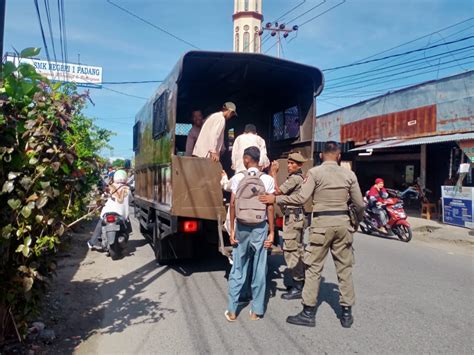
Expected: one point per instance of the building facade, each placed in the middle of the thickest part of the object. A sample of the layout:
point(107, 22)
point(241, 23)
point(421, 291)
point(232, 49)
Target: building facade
point(247, 20)
point(422, 133)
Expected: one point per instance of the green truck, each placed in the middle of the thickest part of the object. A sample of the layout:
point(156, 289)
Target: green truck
point(178, 199)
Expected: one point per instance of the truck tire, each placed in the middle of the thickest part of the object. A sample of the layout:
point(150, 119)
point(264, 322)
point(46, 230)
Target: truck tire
point(156, 240)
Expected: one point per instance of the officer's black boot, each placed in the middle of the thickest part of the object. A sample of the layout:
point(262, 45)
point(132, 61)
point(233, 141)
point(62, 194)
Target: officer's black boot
point(346, 317)
point(306, 317)
point(294, 292)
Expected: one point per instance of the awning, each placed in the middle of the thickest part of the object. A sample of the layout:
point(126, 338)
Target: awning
point(396, 143)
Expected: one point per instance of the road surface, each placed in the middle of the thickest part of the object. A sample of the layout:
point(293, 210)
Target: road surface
point(411, 298)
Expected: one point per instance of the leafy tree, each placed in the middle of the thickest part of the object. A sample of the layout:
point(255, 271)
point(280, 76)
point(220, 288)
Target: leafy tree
point(48, 168)
point(118, 163)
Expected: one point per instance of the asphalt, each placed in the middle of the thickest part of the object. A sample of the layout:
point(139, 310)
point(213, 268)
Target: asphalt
point(411, 298)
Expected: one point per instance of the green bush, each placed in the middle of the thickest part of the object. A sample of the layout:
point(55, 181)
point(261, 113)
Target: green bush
point(48, 167)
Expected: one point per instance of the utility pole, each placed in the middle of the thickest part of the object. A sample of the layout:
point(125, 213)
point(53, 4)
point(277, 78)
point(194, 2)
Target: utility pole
point(2, 24)
point(277, 29)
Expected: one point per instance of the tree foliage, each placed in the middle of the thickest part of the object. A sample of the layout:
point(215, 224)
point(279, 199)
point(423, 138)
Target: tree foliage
point(48, 167)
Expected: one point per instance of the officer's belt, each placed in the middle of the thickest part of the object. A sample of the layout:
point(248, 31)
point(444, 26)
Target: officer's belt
point(330, 213)
point(297, 210)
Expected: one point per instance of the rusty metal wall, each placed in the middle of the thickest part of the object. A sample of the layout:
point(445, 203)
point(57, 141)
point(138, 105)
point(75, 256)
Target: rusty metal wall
point(452, 97)
point(409, 123)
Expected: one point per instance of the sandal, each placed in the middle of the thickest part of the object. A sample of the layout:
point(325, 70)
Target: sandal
point(231, 317)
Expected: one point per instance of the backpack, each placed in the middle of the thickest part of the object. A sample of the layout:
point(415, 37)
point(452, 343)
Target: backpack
point(248, 209)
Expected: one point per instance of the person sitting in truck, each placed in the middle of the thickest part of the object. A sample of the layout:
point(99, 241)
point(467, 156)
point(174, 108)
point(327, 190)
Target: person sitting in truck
point(211, 138)
point(249, 138)
point(193, 134)
point(251, 235)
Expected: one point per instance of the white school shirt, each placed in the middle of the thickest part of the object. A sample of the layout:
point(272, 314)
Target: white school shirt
point(267, 180)
point(211, 137)
point(243, 142)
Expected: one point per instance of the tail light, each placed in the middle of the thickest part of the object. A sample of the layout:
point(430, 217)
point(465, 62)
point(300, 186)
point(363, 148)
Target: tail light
point(279, 222)
point(189, 226)
point(110, 218)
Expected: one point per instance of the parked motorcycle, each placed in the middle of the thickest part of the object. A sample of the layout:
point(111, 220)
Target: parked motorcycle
point(397, 219)
point(415, 195)
point(115, 234)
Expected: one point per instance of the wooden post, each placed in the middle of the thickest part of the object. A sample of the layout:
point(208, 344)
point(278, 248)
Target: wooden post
point(423, 166)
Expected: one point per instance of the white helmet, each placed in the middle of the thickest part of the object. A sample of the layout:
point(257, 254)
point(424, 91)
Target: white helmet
point(120, 177)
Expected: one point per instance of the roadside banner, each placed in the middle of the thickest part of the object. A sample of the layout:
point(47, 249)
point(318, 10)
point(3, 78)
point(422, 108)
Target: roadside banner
point(81, 75)
point(458, 205)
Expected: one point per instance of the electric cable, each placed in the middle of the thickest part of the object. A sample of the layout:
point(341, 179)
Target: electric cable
point(322, 13)
point(397, 55)
point(152, 24)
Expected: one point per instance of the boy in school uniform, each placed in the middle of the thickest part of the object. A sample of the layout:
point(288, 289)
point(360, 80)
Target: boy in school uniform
point(251, 235)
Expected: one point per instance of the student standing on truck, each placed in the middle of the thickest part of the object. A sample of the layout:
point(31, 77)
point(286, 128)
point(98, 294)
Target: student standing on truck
point(194, 132)
point(251, 235)
point(249, 138)
point(211, 138)
point(293, 223)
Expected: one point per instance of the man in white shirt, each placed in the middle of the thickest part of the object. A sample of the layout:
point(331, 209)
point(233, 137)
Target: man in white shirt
point(211, 138)
point(249, 138)
point(250, 241)
point(194, 132)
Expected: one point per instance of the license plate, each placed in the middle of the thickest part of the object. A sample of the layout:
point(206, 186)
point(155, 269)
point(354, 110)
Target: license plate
point(112, 228)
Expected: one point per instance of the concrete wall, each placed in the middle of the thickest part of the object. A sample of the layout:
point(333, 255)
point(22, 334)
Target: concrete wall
point(453, 97)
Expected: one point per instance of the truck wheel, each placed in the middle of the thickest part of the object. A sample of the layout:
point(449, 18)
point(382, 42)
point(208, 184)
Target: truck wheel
point(157, 246)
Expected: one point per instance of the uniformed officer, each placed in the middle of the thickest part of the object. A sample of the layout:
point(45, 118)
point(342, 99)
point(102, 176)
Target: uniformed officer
point(293, 224)
point(331, 186)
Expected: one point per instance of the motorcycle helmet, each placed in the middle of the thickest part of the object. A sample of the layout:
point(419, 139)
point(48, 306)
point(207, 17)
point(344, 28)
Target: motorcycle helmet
point(120, 177)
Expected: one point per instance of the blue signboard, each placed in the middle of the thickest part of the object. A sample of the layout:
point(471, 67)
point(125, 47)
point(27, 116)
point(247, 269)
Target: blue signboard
point(458, 206)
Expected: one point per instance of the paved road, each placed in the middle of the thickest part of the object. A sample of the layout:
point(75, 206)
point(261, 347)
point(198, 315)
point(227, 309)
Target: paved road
point(411, 298)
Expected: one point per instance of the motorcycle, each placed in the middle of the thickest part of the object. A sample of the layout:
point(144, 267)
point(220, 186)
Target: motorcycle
point(397, 223)
point(115, 234)
point(414, 195)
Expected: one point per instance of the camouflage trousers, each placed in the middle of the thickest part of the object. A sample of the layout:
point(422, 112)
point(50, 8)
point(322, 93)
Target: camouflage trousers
point(293, 250)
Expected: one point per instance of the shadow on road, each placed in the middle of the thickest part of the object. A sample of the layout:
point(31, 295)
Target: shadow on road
point(82, 305)
point(329, 293)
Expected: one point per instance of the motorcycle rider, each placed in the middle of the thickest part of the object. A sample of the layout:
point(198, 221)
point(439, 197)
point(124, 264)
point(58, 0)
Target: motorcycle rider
point(117, 203)
point(376, 198)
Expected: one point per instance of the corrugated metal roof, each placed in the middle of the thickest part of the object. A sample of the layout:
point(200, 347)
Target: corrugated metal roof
point(395, 143)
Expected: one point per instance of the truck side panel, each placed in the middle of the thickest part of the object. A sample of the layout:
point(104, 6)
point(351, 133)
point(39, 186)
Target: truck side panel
point(196, 188)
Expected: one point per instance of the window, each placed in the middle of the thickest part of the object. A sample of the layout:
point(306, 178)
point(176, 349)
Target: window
point(237, 42)
point(160, 116)
point(136, 137)
point(286, 124)
point(246, 5)
point(256, 5)
point(255, 42)
point(246, 41)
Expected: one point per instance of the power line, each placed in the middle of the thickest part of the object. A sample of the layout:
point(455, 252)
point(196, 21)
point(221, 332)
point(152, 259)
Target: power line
point(416, 39)
point(398, 54)
point(131, 82)
point(322, 13)
point(38, 14)
point(308, 11)
point(152, 24)
point(401, 78)
point(124, 93)
point(395, 74)
point(291, 10)
point(48, 17)
point(440, 55)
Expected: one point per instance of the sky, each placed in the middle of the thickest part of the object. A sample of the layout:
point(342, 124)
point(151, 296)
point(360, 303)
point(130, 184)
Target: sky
point(130, 50)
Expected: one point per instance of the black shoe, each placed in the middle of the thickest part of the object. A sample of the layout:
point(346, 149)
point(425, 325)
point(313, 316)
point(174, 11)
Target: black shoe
point(294, 292)
point(306, 317)
point(346, 317)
